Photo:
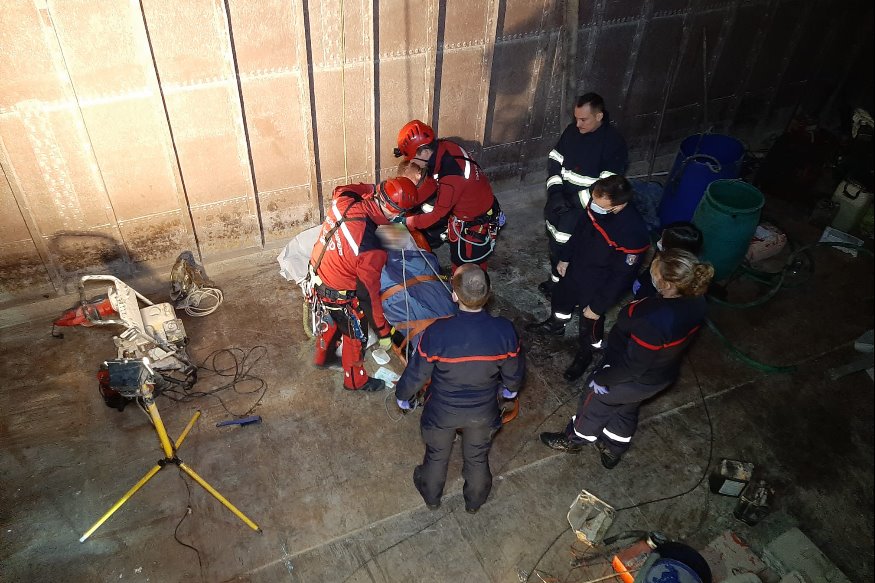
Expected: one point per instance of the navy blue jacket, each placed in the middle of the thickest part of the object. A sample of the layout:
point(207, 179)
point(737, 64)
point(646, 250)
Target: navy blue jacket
point(579, 159)
point(468, 357)
point(604, 255)
point(648, 341)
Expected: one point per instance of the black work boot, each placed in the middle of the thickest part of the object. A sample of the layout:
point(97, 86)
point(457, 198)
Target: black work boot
point(546, 288)
point(581, 362)
point(373, 385)
point(552, 326)
point(559, 441)
point(609, 460)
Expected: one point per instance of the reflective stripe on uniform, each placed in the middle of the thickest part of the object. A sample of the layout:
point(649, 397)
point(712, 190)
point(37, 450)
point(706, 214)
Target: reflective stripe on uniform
point(467, 163)
point(554, 278)
point(577, 179)
point(554, 155)
point(584, 196)
point(615, 437)
point(596, 344)
point(345, 230)
point(554, 180)
point(561, 316)
point(427, 208)
point(557, 235)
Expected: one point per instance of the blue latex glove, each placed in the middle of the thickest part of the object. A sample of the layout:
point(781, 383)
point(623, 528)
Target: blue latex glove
point(404, 405)
point(636, 285)
point(508, 394)
point(398, 219)
point(597, 388)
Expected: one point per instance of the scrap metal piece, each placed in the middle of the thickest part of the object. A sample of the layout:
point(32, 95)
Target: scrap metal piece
point(590, 518)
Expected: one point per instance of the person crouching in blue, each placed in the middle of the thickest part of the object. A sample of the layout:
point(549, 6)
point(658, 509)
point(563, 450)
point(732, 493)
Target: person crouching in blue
point(642, 358)
point(470, 359)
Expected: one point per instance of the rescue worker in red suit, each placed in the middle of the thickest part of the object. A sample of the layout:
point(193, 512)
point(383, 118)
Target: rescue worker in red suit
point(464, 196)
point(345, 269)
point(643, 357)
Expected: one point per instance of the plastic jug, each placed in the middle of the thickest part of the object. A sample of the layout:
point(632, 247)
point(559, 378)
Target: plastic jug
point(853, 202)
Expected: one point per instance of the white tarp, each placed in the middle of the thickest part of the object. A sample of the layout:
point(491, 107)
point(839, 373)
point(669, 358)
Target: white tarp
point(295, 256)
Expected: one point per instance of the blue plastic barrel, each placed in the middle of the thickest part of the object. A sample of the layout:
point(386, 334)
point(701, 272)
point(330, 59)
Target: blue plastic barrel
point(702, 159)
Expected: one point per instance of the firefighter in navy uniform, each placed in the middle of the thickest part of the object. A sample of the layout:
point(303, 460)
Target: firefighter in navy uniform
point(590, 148)
point(597, 267)
point(345, 268)
point(470, 359)
point(642, 358)
point(464, 196)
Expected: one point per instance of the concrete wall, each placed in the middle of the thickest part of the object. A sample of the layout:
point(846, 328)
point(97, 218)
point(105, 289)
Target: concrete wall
point(131, 131)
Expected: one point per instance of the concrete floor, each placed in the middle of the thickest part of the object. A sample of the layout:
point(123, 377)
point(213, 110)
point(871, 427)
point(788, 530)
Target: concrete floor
point(327, 474)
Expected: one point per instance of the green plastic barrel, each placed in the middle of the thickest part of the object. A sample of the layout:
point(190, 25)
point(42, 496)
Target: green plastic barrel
point(727, 215)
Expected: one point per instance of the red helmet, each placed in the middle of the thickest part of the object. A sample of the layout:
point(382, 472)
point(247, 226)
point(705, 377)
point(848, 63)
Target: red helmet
point(413, 136)
point(398, 193)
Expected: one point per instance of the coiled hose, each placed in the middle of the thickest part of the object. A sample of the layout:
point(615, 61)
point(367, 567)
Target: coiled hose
point(776, 281)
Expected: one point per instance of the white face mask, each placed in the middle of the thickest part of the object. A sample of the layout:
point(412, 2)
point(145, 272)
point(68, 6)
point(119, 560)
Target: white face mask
point(598, 210)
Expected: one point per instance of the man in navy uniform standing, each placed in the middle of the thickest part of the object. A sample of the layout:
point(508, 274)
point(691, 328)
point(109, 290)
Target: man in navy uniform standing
point(596, 267)
point(470, 359)
point(590, 148)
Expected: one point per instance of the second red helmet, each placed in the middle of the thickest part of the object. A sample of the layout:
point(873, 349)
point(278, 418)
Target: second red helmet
point(413, 136)
point(398, 193)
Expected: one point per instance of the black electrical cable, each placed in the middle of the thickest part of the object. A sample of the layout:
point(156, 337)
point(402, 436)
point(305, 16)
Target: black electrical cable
point(181, 520)
point(710, 450)
point(392, 546)
point(238, 372)
point(673, 496)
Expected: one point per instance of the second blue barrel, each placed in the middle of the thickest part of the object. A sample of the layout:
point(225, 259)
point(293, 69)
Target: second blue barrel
point(702, 159)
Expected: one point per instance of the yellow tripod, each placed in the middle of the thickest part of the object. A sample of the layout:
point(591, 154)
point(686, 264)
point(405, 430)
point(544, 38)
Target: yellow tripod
point(147, 394)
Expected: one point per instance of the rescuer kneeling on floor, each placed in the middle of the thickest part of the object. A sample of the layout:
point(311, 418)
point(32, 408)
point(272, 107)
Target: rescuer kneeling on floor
point(345, 269)
point(643, 357)
point(470, 359)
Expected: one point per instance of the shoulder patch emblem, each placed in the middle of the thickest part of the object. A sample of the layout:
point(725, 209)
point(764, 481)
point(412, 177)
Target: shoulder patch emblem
point(631, 259)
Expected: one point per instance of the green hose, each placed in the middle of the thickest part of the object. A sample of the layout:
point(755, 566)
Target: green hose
point(776, 283)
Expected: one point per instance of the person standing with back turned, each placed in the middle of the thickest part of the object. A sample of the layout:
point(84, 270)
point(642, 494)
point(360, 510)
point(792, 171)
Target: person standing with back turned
point(590, 148)
point(470, 359)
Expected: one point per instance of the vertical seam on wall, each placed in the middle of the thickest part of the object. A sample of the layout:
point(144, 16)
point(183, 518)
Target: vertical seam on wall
point(343, 91)
point(308, 44)
point(375, 35)
point(438, 65)
point(127, 256)
point(261, 237)
point(170, 130)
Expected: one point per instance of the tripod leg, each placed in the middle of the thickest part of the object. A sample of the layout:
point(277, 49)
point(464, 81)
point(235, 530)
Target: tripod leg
point(121, 501)
point(185, 431)
point(203, 483)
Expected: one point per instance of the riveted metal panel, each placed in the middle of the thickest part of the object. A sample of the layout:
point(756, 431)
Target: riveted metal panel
point(731, 66)
point(514, 65)
point(398, 104)
point(661, 40)
point(607, 73)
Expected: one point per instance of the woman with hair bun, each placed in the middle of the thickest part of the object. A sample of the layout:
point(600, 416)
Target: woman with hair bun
point(642, 358)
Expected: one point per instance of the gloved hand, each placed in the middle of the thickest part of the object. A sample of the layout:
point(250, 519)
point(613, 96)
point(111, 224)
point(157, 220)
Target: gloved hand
point(508, 394)
point(397, 337)
point(404, 405)
point(597, 388)
point(385, 342)
point(397, 219)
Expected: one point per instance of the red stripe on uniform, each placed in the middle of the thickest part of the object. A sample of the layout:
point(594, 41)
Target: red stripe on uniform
point(485, 358)
point(649, 346)
point(610, 241)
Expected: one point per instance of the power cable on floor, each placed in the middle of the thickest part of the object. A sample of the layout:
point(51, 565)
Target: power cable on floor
point(181, 520)
point(239, 372)
point(201, 301)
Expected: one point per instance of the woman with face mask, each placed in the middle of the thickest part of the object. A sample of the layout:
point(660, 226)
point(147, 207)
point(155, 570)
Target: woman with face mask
point(642, 357)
